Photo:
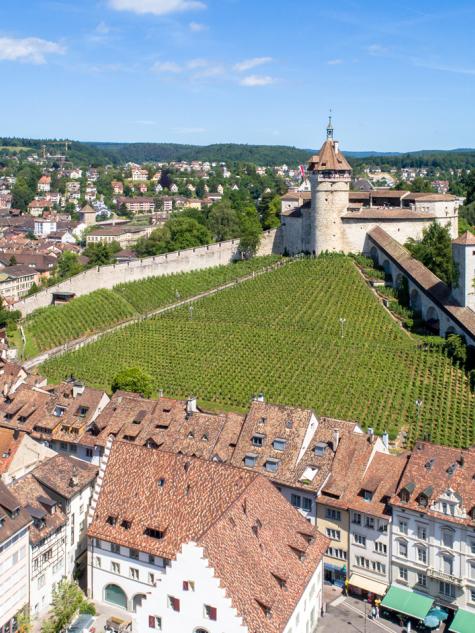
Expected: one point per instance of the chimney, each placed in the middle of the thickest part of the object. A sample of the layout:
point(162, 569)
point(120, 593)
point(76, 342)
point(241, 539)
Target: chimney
point(191, 406)
point(385, 439)
point(370, 435)
point(78, 389)
point(335, 439)
point(336, 145)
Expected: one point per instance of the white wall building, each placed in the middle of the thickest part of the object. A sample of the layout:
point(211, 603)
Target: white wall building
point(182, 544)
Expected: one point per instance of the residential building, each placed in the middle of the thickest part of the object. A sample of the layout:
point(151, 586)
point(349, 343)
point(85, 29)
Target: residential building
point(15, 281)
point(43, 227)
point(19, 454)
point(44, 184)
point(433, 537)
point(117, 187)
point(37, 207)
point(180, 542)
point(369, 559)
point(14, 567)
point(125, 235)
point(70, 482)
point(138, 174)
point(137, 204)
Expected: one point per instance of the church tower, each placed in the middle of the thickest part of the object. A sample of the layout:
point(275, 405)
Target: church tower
point(330, 176)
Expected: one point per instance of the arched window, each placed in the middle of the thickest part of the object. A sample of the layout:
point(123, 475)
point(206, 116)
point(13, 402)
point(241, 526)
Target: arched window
point(115, 595)
point(137, 601)
point(200, 631)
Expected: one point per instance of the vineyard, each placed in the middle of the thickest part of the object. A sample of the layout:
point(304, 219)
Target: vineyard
point(52, 326)
point(310, 334)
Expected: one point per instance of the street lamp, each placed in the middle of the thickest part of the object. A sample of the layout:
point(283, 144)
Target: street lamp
point(342, 325)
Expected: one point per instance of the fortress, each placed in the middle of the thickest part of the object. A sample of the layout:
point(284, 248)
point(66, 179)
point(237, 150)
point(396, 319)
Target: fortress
point(333, 218)
point(377, 223)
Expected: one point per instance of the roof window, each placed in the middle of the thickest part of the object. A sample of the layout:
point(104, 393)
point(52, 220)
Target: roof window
point(257, 440)
point(279, 444)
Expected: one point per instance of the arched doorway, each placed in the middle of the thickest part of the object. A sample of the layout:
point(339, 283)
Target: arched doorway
point(432, 318)
point(450, 330)
point(137, 601)
point(373, 253)
point(113, 594)
point(415, 300)
point(388, 276)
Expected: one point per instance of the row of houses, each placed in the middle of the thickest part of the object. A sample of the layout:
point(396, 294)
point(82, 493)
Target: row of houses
point(388, 521)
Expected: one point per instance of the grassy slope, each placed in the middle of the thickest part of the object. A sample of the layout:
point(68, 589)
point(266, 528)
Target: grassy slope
point(280, 334)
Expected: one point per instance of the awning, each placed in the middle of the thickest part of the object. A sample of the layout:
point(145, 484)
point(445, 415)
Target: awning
point(379, 588)
point(409, 602)
point(464, 622)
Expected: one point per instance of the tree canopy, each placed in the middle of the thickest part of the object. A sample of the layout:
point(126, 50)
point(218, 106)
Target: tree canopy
point(435, 252)
point(133, 379)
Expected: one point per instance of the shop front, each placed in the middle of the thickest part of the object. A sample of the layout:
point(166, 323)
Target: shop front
point(334, 574)
point(366, 587)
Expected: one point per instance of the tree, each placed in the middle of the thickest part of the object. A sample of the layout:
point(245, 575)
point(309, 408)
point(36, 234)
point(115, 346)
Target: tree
point(251, 232)
point(435, 252)
point(223, 221)
point(133, 379)
point(178, 233)
point(23, 621)
point(65, 603)
point(12, 261)
point(101, 254)
point(68, 265)
point(456, 349)
point(270, 215)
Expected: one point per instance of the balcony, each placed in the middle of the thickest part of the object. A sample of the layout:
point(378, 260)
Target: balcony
point(444, 577)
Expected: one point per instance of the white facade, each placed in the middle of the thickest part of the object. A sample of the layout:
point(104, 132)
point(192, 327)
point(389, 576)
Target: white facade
point(14, 575)
point(183, 595)
point(464, 257)
point(434, 556)
point(369, 548)
point(47, 565)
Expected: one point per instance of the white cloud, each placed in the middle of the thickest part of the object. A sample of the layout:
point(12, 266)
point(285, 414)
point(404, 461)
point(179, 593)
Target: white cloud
point(157, 7)
point(334, 62)
point(166, 67)
point(196, 27)
point(197, 63)
point(28, 49)
point(247, 64)
point(377, 49)
point(252, 81)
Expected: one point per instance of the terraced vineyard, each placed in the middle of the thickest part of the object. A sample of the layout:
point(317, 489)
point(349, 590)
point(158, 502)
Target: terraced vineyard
point(49, 327)
point(281, 334)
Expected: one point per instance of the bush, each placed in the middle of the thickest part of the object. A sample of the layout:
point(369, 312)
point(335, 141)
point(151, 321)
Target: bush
point(471, 378)
point(133, 379)
point(456, 349)
point(88, 607)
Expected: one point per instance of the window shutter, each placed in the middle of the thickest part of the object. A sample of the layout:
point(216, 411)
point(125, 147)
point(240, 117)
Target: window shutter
point(213, 613)
point(151, 621)
point(185, 585)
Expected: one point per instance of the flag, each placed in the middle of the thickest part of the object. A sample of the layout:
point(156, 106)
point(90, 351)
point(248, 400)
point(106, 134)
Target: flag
point(302, 171)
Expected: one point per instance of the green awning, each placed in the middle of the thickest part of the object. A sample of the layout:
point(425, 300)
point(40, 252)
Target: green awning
point(409, 602)
point(464, 622)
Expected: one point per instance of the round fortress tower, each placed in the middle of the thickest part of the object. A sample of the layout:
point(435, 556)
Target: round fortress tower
point(330, 176)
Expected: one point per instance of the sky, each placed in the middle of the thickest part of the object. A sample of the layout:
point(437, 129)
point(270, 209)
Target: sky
point(398, 75)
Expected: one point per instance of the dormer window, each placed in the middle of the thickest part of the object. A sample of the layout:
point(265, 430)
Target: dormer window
point(250, 460)
point(59, 411)
point(404, 496)
point(367, 495)
point(272, 465)
point(279, 445)
point(82, 411)
point(319, 449)
point(289, 424)
point(111, 520)
point(257, 440)
point(280, 581)
point(422, 500)
point(154, 533)
point(126, 524)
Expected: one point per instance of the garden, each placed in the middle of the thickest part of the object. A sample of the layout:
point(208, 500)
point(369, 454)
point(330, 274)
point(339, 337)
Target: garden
point(309, 334)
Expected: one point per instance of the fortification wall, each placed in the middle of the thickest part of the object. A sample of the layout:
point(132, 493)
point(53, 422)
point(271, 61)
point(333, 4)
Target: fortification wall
point(187, 260)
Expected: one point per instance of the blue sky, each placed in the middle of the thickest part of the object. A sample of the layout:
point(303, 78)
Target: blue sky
point(398, 75)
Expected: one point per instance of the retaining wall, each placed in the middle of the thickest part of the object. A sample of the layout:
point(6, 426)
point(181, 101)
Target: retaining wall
point(187, 260)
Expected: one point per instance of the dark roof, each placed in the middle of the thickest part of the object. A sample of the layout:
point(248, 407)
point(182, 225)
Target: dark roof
point(65, 475)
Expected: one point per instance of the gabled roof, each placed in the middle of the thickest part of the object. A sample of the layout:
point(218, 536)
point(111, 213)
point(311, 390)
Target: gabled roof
point(248, 531)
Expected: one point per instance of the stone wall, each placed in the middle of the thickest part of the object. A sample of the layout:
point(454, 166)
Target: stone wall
point(177, 262)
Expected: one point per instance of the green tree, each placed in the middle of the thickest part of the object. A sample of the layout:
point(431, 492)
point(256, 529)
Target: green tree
point(270, 217)
point(65, 603)
point(223, 221)
point(101, 254)
point(68, 265)
point(456, 349)
point(12, 261)
point(23, 621)
point(251, 232)
point(133, 379)
point(435, 252)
